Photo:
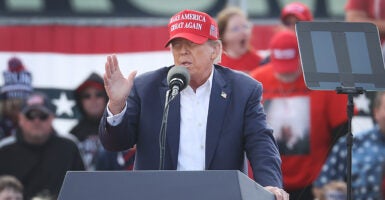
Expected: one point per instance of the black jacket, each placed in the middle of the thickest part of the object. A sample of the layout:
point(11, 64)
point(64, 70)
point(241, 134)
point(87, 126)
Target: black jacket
point(41, 168)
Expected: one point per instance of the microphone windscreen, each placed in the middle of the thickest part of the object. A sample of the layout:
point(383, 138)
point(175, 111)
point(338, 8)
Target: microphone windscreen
point(179, 72)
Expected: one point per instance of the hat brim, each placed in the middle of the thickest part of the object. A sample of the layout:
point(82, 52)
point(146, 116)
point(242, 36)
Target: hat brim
point(299, 16)
point(188, 36)
point(286, 66)
point(37, 107)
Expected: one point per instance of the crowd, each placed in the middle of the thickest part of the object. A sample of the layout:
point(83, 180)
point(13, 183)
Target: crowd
point(240, 111)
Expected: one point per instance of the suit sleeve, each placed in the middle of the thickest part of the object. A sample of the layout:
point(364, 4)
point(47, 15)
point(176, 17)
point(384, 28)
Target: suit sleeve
point(122, 136)
point(261, 147)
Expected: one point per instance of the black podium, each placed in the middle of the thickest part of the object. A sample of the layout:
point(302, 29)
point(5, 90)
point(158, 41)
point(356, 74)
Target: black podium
point(163, 185)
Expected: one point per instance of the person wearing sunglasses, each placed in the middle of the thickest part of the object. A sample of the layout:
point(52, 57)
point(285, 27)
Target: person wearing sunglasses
point(37, 155)
point(91, 99)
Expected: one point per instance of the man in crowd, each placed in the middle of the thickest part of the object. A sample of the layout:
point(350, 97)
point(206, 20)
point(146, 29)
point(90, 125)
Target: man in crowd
point(36, 154)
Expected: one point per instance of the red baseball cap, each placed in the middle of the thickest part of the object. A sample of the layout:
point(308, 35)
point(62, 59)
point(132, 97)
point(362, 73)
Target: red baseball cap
point(192, 25)
point(299, 10)
point(284, 52)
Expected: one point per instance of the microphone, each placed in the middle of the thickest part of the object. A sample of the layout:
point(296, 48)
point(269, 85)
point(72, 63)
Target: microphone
point(178, 78)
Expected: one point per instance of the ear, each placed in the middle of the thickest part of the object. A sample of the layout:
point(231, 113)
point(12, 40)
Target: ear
point(216, 51)
point(213, 54)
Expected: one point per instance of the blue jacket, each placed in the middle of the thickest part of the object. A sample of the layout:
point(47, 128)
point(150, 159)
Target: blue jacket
point(236, 124)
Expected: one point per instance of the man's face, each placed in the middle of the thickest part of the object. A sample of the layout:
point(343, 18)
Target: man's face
point(11, 108)
point(290, 21)
point(197, 58)
point(36, 126)
point(93, 102)
point(10, 194)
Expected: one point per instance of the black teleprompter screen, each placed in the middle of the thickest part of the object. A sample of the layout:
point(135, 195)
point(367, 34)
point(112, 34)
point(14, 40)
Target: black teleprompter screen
point(341, 54)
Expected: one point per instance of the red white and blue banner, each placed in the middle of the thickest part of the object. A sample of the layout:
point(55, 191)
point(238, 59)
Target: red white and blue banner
point(60, 57)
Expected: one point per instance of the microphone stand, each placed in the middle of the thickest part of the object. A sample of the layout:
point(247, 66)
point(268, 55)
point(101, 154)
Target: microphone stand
point(163, 130)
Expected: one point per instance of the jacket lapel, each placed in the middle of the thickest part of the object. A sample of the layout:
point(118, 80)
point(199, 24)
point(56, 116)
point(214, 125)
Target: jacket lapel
point(173, 130)
point(219, 101)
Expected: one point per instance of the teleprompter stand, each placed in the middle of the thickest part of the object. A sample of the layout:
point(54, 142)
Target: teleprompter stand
point(351, 92)
point(345, 57)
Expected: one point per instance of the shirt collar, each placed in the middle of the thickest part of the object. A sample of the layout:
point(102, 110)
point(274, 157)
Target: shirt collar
point(206, 85)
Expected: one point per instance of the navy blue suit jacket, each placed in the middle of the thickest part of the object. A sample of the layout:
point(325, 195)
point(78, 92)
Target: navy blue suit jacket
point(236, 124)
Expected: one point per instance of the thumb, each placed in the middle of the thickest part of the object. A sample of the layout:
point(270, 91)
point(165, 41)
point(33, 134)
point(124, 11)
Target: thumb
point(132, 75)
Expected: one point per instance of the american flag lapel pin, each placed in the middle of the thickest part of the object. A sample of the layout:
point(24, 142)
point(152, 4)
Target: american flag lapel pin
point(223, 95)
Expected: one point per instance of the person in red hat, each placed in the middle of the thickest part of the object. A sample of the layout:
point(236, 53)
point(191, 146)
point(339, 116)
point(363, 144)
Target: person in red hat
point(235, 34)
point(211, 123)
point(290, 14)
point(91, 99)
point(293, 12)
point(305, 122)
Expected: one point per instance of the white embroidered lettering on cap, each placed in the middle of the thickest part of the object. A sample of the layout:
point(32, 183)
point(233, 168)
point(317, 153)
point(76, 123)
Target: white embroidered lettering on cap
point(176, 26)
point(174, 19)
point(197, 26)
point(284, 54)
point(189, 25)
point(196, 17)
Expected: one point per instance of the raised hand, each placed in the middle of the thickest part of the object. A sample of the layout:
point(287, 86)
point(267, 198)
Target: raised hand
point(117, 86)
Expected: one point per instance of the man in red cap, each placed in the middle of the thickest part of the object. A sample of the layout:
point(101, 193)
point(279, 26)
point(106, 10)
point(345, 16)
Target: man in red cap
point(212, 122)
point(293, 12)
point(305, 122)
point(290, 14)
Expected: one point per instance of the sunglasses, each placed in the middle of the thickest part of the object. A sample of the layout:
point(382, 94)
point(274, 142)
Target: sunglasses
point(90, 95)
point(32, 115)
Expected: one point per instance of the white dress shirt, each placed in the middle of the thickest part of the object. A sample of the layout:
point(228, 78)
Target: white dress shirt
point(194, 108)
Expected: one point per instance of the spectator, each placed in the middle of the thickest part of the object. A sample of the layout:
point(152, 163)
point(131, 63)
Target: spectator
point(17, 87)
point(368, 159)
point(293, 12)
point(235, 34)
point(305, 122)
point(91, 99)
point(36, 154)
point(10, 188)
point(335, 190)
point(290, 14)
point(368, 11)
point(211, 123)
